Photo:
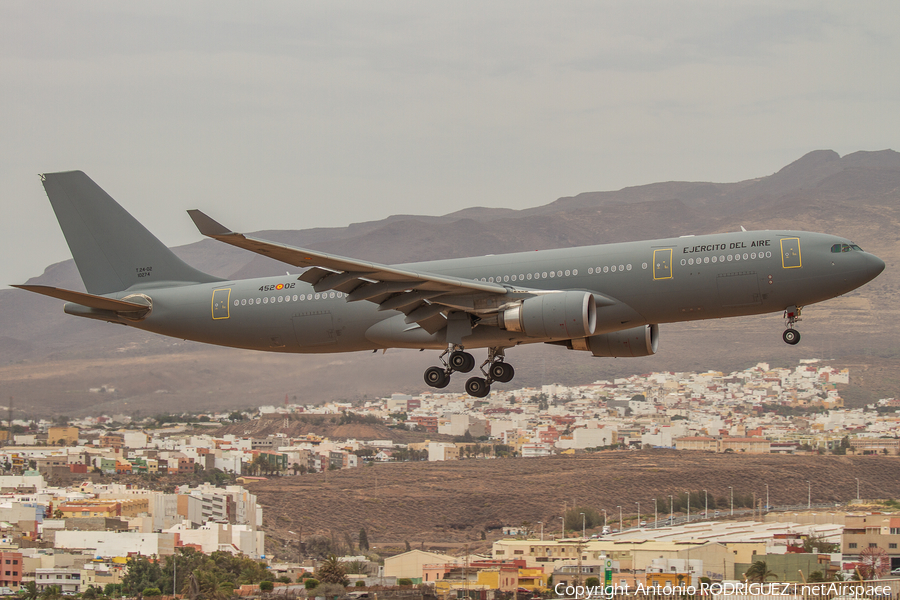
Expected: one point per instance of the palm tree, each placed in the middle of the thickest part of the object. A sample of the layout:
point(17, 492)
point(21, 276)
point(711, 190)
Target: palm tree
point(332, 571)
point(259, 464)
point(51, 591)
point(759, 572)
point(31, 591)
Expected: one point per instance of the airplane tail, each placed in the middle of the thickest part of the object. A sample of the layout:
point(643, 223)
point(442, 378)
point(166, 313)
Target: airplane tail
point(112, 250)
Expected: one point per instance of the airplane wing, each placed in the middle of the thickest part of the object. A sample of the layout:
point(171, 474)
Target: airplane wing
point(421, 295)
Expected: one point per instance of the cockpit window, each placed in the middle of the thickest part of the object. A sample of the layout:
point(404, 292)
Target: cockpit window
point(845, 248)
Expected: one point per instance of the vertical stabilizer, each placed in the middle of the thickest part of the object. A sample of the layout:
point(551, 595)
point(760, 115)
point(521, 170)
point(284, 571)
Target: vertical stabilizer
point(112, 250)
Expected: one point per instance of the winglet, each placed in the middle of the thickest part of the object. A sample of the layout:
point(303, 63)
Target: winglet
point(208, 226)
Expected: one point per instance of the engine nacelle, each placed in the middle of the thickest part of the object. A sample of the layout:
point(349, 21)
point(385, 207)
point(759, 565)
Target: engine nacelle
point(553, 316)
point(637, 341)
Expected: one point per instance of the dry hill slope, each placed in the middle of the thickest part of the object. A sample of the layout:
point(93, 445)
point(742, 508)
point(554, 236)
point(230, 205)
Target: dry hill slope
point(454, 501)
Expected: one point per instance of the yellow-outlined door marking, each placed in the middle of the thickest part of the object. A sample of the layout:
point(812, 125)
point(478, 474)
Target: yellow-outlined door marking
point(790, 253)
point(221, 309)
point(662, 263)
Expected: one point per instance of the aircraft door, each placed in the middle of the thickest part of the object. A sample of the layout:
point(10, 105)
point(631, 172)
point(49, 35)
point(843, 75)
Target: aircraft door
point(314, 328)
point(790, 253)
point(738, 289)
point(662, 263)
point(220, 303)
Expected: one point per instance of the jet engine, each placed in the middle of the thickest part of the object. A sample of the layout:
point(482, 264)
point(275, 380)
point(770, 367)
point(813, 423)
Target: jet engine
point(637, 341)
point(554, 316)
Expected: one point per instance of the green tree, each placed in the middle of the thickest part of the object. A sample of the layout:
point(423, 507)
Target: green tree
point(51, 592)
point(356, 567)
point(141, 573)
point(253, 572)
point(759, 572)
point(188, 560)
point(91, 593)
point(348, 541)
point(319, 546)
point(260, 464)
point(152, 592)
point(29, 590)
point(816, 543)
point(266, 586)
point(332, 571)
point(310, 583)
point(226, 589)
point(404, 581)
point(592, 582)
point(591, 518)
point(363, 540)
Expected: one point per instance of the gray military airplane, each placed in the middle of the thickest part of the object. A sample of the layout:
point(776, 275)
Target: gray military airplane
point(607, 300)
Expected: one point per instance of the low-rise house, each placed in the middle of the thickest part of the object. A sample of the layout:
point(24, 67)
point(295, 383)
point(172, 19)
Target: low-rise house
point(66, 579)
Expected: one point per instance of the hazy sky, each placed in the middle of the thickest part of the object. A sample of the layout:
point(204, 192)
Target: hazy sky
point(289, 115)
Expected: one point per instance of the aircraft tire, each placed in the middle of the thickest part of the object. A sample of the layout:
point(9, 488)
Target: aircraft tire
point(461, 361)
point(477, 387)
point(502, 372)
point(791, 336)
point(436, 377)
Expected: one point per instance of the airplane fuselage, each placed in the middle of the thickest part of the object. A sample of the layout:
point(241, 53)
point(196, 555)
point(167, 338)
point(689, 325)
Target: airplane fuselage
point(645, 282)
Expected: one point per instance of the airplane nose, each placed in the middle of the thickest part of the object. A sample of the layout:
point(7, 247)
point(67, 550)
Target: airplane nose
point(873, 267)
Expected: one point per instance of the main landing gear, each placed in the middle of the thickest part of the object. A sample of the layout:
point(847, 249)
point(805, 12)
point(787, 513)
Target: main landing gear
point(497, 370)
point(791, 315)
point(458, 360)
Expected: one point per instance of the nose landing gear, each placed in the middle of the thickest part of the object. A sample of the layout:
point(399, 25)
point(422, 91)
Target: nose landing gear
point(791, 315)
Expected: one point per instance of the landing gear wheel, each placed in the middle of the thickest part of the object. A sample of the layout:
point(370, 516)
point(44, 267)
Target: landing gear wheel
point(461, 361)
point(502, 372)
point(436, 377)
point(791, 336)
point(478, 387)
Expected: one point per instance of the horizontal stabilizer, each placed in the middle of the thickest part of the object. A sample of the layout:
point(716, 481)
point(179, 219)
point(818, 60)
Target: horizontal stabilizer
point(89, 300)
